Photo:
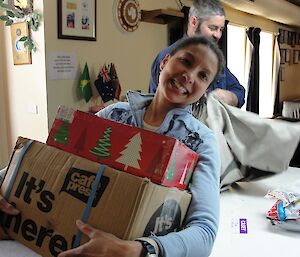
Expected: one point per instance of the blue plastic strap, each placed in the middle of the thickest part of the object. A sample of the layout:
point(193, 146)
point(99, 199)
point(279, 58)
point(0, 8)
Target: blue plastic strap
point(89, 203)
point(15, 172)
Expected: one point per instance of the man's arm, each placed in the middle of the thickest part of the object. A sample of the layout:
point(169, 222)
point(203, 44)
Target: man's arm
point(228, 89)
point(226, 96)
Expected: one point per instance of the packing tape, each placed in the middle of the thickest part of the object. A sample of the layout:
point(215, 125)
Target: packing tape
point(86, 212)
point(15, 172)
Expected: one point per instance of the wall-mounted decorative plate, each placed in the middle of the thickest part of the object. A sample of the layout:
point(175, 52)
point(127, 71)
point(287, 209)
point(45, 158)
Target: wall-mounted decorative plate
point(128, 14)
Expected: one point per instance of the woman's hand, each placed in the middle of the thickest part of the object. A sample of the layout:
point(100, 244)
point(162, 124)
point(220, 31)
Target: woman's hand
point(103, 244)
point(7, 208)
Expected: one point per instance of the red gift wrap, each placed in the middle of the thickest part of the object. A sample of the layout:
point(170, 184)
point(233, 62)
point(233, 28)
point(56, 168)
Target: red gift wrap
point(162, 159)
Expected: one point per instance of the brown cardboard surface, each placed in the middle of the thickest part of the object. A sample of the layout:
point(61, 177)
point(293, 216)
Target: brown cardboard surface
point(51, 189)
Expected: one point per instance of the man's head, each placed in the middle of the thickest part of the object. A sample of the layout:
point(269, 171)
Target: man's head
point(206, 18)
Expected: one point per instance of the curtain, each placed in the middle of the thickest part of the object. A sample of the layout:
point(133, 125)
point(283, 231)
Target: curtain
point(276, 79)
point(178, 28)
point(253, 83)
point(223, 41)
point(248, 60)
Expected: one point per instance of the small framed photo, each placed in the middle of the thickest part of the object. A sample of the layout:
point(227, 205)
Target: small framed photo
point(282, 56)
point(296, 56)
point(294, 40)
point(281, 36)
point(281, 74)
point(286, 36)
point(21, 54)
point(77, 19)
point(287, 55)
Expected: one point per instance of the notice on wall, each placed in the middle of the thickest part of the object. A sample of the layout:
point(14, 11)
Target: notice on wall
point(62, 65)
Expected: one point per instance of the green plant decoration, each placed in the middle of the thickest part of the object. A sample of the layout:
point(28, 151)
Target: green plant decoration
point(20, 13)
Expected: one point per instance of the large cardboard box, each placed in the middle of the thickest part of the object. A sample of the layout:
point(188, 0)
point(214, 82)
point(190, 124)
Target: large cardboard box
point(52, 189)
point(163, 159)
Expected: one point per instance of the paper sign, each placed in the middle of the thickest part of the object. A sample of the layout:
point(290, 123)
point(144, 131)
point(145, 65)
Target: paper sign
point(62, 66)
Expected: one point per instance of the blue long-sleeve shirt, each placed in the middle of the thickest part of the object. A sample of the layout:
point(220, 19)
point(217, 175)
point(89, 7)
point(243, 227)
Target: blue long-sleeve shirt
point(201, 221)
point(225, 81)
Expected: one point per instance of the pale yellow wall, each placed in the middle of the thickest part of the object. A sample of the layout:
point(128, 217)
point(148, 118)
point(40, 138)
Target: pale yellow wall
point(132, 52)
point(248, 20)
point(24, 85)
point(4, 154)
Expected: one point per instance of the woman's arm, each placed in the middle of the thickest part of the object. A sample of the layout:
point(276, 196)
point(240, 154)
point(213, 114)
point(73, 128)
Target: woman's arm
point(202, 219)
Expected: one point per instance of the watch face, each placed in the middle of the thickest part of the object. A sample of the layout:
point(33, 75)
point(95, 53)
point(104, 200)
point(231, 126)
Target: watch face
point(128, 14)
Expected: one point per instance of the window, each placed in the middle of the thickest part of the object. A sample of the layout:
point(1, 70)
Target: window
point(265, 74)
point(237, 63)
point(236, 52)
point(236, 41)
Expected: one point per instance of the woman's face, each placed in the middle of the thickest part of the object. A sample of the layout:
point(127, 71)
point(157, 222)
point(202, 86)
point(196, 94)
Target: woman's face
point(185, 76)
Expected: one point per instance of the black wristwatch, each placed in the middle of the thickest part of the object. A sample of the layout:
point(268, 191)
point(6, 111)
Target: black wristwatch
point(149, 248)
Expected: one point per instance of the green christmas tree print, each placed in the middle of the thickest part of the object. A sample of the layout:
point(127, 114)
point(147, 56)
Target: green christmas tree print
point(62, 134)
point(101, 150)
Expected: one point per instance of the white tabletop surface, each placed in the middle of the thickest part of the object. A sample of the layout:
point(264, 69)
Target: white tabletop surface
point(244, 200)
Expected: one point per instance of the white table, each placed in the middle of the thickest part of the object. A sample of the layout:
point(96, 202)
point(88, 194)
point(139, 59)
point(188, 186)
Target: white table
point(244, 200)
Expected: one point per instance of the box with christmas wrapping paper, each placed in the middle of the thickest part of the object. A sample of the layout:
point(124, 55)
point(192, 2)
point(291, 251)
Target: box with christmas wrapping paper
point(53, 188)
point(143, 153)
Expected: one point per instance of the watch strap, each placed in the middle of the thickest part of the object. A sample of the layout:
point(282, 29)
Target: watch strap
point(148, 247)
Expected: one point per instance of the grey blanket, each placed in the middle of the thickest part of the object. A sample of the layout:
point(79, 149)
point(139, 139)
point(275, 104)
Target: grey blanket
point(250, 146)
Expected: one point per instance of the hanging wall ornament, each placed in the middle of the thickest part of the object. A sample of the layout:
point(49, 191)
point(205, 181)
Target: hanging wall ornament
point(128, 14)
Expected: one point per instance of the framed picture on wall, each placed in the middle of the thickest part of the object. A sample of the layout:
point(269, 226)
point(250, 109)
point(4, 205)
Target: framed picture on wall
point(286, 36)
point(287, 55)
point(295, 56)
point(294, 39)
point(289, 38)
point(77, 19)
point(282, 56)
point(282, 36)
point(21, 54)
point(281, 73)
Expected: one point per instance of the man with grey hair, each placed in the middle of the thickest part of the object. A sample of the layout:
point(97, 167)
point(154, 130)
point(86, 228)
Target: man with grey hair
point(206, 18)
